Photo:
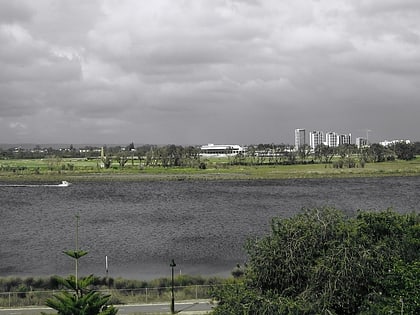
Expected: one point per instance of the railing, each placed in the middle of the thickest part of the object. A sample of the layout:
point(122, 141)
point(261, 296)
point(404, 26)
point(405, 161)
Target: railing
point(118, 296)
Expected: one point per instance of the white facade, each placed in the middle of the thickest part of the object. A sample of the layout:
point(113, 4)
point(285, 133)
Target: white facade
point(315, 139)
point(221, 150)
point(300, 138)
point(332, 139)
point(386, 143)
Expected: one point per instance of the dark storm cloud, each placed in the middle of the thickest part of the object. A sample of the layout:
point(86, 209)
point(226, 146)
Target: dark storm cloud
point(207, 71)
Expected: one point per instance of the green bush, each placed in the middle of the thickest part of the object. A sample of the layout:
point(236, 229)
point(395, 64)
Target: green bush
point(321, 262)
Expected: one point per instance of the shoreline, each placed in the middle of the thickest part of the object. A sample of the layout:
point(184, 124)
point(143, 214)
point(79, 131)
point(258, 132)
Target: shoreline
point(74, 178)
point(385, 169)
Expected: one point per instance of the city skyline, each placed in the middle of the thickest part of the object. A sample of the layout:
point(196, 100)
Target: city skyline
point(194, 72)
point(331, 138)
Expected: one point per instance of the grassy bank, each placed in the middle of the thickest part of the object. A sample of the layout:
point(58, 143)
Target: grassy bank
point(75, 170)
point(20, 292)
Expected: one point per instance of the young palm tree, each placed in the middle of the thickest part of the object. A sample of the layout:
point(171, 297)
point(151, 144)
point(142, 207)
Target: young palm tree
point(77, 298)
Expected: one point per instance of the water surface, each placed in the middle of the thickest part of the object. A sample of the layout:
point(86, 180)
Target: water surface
point(141, 226)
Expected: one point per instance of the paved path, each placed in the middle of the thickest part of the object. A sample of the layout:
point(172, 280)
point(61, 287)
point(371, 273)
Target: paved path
point(190, 308)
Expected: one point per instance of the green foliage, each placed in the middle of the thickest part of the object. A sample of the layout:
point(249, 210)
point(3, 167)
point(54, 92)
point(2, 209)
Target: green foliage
point(238, 298)
point(401, 292)
point(80, 300)
point(11, 284)
point(320, 262)
point(76, 254)
point(404, 151)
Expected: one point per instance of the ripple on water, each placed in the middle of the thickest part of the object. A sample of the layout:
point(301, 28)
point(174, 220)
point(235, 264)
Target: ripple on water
point(140, 226)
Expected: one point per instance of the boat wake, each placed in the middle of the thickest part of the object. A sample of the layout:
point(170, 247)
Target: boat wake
point(62, 184)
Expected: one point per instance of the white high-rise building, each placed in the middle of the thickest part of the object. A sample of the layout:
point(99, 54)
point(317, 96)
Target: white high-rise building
point(315, 139)
point(332, 139)
point(300, 138)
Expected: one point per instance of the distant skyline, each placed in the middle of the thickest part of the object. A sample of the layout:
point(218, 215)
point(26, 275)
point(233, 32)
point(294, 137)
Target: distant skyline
point(196, 72)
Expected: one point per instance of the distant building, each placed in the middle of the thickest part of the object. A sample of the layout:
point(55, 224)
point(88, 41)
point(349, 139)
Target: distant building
point(361, 142)
point(345, 139)
point(315, 139)
point(386, 143)
point(332, 139)
point(221, 150)
point(300, 138)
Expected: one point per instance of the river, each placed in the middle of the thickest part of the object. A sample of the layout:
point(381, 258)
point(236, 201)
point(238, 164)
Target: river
point(141, 226)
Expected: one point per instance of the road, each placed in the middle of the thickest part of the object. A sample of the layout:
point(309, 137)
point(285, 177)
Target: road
point(194, 307)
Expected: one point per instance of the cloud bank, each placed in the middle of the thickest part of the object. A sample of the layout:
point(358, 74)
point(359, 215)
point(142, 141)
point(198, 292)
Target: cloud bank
point(220, 71)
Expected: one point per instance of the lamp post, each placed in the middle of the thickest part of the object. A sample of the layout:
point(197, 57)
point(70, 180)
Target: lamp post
point(172, 265)
point(106, 270)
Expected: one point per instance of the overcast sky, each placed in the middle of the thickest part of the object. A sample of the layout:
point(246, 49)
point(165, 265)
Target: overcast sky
point(207, 71)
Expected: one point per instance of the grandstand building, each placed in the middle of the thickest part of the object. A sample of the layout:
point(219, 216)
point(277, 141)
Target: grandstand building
point(221, 150)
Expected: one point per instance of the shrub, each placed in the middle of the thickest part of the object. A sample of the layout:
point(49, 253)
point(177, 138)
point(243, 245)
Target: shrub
point(321, 262)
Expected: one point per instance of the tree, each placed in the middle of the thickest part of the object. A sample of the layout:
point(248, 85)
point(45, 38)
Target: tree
point(53, 162)
point(78, 298)
point(324, 152)
point(321, 262)
point(304, 151)
point(377, 152)
point(122, 159)
point(404, 151)
point(106, 161)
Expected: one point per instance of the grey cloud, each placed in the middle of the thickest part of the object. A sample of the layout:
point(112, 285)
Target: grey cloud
point(53, 70)
point(387, 6)
point(14, 11)
point(219, 71)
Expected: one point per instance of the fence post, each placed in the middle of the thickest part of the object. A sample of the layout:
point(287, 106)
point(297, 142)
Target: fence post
point(10, 300)
point(196, 292)
point(146, 295)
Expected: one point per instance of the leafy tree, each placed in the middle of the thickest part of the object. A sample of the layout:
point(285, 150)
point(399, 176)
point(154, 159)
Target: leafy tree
point(304, 151)
point(324, 153)
point(321, 262)
point(416, 146)
point(404, 151)
point(377, 152)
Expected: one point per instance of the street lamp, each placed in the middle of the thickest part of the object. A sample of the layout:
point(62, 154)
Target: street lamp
point(172, 265)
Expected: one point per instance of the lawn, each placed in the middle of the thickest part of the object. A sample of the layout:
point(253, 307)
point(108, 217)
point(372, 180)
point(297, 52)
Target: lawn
point(82, 169)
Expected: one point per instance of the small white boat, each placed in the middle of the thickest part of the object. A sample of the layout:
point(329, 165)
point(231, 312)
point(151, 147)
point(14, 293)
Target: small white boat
point(62, 184)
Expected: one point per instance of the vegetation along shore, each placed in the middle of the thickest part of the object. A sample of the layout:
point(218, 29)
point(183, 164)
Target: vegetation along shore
point(186, 163)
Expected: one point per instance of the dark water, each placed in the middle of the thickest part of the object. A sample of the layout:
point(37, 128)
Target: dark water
point(141, 226)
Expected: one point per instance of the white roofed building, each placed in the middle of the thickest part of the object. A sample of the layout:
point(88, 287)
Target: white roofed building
point(221, 150)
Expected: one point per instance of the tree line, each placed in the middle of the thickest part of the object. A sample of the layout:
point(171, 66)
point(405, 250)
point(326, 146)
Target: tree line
point(347, 155)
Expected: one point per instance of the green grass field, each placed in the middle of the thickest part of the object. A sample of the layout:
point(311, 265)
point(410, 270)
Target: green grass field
point(81, 170)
